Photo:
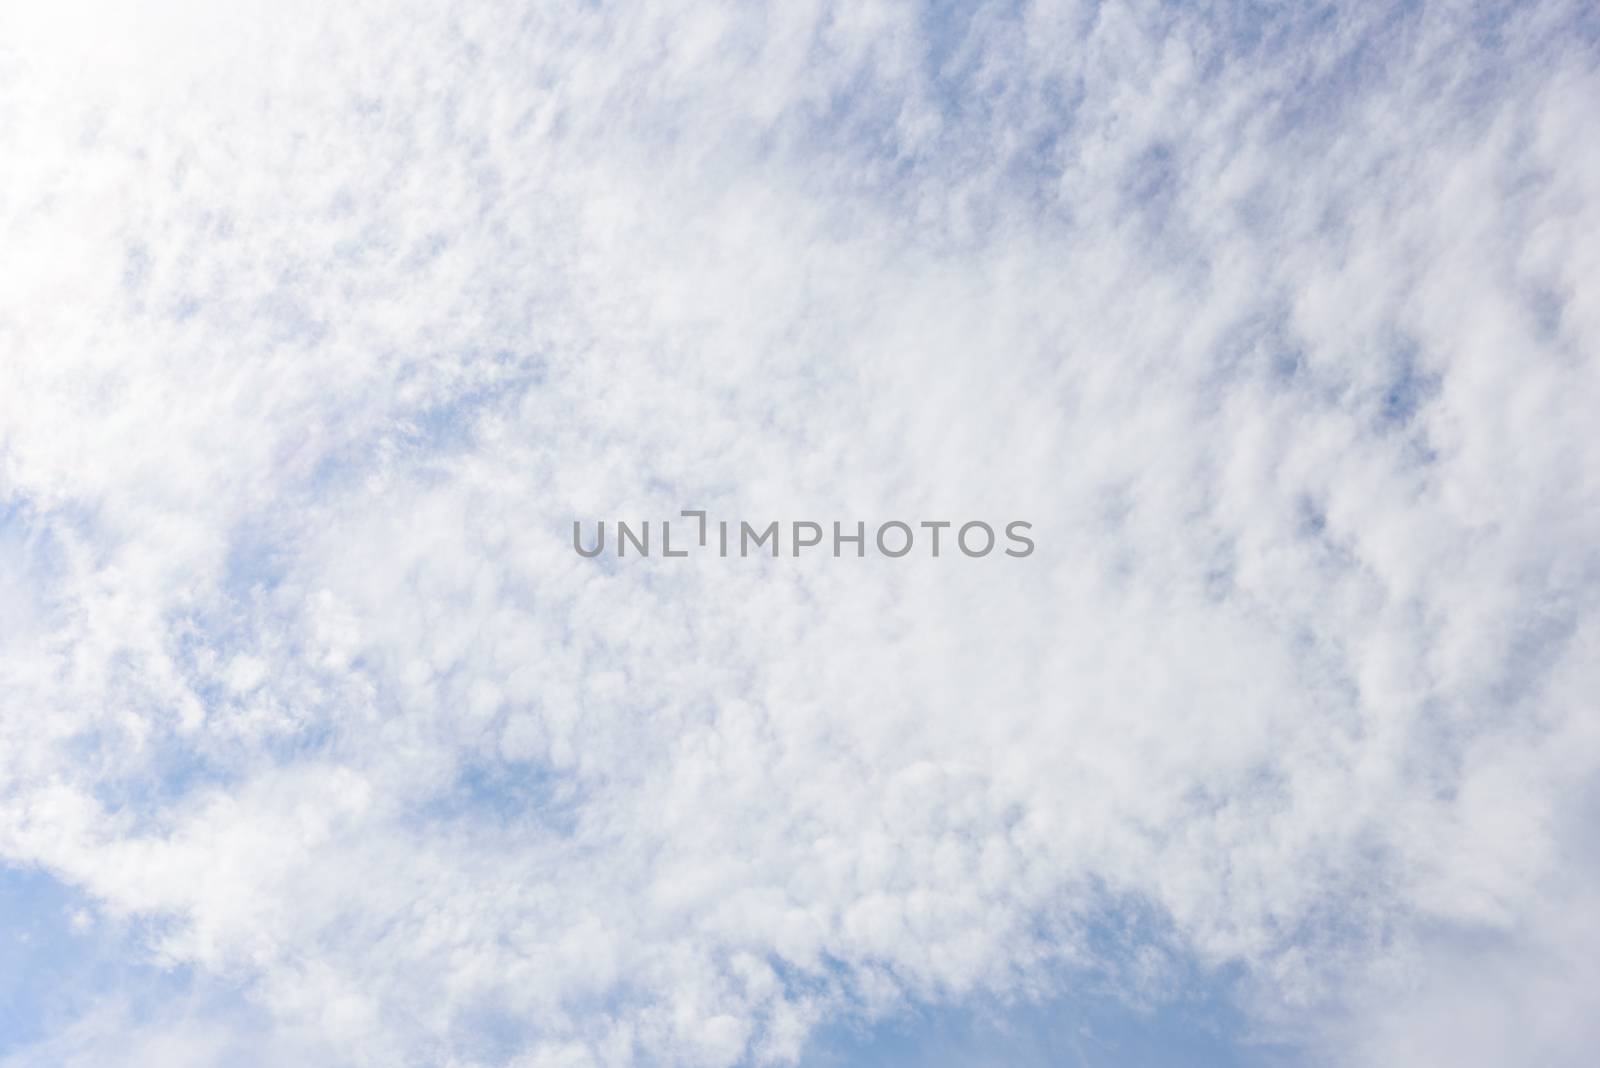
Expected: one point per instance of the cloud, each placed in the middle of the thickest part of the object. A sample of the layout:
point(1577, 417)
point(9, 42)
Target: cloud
point(327, 324)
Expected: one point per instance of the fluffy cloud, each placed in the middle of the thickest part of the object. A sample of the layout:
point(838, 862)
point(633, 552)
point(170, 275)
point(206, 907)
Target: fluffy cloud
point(321, 327)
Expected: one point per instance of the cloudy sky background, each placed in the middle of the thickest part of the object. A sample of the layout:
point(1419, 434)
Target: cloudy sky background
point(318, 328)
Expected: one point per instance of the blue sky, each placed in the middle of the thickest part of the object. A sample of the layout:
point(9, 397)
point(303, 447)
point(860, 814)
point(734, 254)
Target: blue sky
point(319, 329)
point(61, 964)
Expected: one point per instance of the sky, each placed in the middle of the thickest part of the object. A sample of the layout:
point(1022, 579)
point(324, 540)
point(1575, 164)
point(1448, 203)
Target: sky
point(321, 325)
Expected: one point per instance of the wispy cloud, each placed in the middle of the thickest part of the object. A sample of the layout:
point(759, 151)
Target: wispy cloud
point(318, 328)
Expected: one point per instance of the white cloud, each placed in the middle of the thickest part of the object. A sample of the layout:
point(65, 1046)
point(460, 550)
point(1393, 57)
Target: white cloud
point(1276, 330)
